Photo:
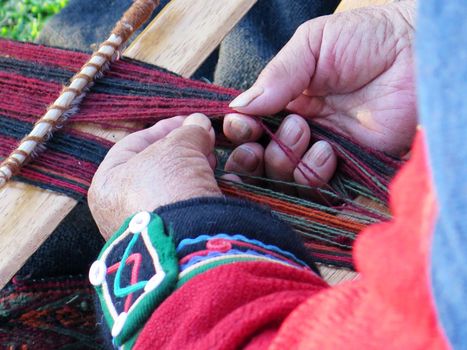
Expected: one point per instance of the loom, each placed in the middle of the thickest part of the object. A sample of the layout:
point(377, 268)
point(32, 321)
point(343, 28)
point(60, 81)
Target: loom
point(134, 93)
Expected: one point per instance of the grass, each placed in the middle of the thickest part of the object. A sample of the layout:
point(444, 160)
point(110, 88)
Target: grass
point(23, 19)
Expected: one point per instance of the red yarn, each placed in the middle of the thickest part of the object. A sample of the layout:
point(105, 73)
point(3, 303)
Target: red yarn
point(31, 77)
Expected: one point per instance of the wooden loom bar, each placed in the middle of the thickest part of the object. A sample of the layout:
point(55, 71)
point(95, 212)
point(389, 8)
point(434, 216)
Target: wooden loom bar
point(179, 39)
point(347, 5)
point(138, 13)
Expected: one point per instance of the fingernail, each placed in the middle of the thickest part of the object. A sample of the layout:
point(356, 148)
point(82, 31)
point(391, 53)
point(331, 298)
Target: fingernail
point(320, 153)
point(240, 128)
point(232, 177)
point(246, 158)
point(291, 131)
point(245, 98)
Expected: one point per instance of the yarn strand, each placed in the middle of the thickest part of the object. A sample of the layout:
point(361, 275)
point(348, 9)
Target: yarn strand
point(31, 76)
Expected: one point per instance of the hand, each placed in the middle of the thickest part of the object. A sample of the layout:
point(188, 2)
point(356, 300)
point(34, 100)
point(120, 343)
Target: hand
point(164, 164)
point(352, 71)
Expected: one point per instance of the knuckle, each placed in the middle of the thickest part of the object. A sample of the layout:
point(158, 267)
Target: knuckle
point(303, 29)
point(280, 164)
point(164, 153)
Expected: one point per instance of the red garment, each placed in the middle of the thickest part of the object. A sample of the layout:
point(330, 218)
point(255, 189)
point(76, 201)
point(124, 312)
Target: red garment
point(389, 307)
point(229, 307)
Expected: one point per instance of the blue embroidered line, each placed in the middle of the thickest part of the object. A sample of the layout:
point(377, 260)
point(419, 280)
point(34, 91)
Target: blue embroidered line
point(232, 252)
point(189, 241)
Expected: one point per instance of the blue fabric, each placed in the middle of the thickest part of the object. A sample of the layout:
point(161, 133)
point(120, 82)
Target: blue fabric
point(442, 89)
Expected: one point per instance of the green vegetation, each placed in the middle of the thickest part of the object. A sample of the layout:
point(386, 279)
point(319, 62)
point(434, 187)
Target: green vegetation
point(24, 19)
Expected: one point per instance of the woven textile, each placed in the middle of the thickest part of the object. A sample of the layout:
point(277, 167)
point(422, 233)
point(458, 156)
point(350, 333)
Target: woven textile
point(48, 314)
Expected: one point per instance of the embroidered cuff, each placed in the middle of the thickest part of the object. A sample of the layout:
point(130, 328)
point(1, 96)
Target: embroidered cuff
point(153, 254)
point(214, 215)
point(135, 271)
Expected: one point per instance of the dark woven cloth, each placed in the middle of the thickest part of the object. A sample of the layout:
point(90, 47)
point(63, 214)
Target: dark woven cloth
point(53, 313)
point(70, 249)
point(239, 59)
point(260, 35)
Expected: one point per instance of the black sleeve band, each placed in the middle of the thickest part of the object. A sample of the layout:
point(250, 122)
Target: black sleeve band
point(213, 215)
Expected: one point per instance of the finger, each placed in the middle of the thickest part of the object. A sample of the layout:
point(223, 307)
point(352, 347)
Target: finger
point(193, 137)
point(232, 178)
point(294, 133)
point(136, 142)
point(317, 168)
point(246, 159)
point(240, 128)
point(287, 75)
point(212, 161)
point(199, 119)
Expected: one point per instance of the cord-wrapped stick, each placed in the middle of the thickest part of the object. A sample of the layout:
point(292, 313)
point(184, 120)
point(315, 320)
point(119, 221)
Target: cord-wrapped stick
point(65, 105)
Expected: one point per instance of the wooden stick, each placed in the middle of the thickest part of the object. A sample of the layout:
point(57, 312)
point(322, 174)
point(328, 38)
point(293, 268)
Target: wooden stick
point(346, 5)
point(181, 58)
point(29, 214)
point(334, 276)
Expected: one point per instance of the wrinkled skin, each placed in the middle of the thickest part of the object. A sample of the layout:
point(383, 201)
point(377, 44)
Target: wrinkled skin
point(352, 71)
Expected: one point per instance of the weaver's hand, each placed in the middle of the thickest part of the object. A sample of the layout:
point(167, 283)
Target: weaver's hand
point(167, 163)
point(352, 71)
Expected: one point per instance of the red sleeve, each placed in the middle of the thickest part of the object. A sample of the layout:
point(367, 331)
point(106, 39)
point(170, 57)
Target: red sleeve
point(230, 307)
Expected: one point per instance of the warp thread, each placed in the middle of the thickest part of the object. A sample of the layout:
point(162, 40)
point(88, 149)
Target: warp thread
point(32, 75)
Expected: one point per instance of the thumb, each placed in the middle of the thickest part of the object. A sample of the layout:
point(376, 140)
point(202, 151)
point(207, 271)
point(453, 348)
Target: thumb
point(189, 168)
point(287, 75)
point(196, 133)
